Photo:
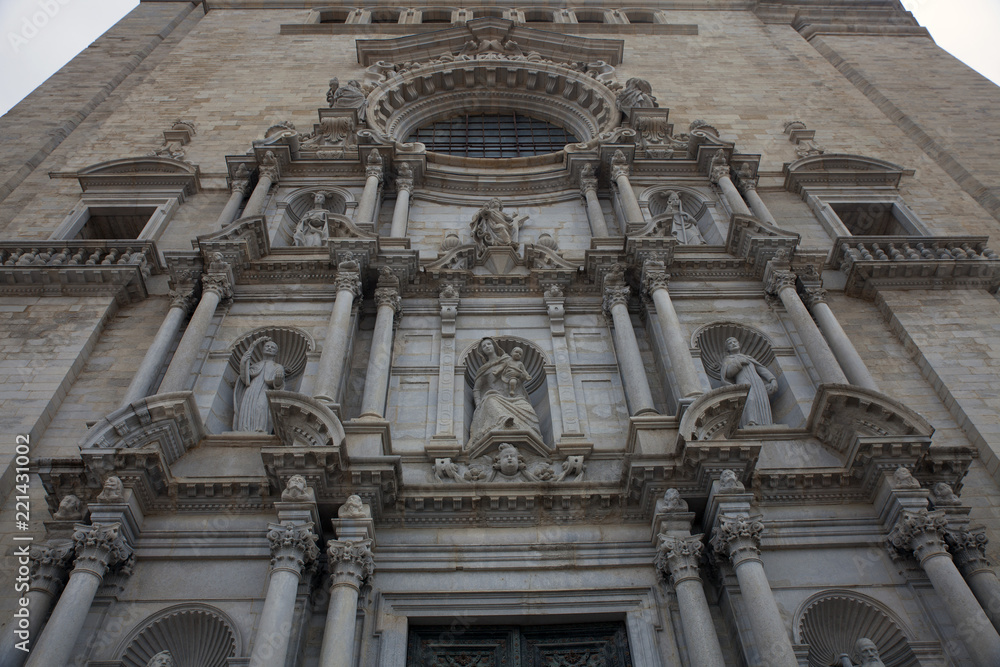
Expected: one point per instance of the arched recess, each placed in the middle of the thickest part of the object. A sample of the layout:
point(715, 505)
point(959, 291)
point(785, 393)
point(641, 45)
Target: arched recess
point(196, 635)
point(694, 203)
point(294, 345)
point(295, 204)
point(831, 622)
point(537, 388)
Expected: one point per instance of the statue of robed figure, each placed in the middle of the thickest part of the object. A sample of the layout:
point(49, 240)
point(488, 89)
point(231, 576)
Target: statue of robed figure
point(251, 412)
point(500, 403)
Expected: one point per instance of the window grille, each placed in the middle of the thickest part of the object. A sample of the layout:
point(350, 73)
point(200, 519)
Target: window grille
point(493, 136)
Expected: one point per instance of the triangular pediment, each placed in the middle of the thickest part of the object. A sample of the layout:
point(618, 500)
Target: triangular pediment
point(550, 45)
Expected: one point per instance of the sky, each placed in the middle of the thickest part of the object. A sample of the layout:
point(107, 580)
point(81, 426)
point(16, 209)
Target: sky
point(40, 36)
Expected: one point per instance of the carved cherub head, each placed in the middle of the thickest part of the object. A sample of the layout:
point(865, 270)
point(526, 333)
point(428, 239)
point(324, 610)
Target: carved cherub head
point(113, 491)
point(671, 502)
point(944, 495)
point(516, 354)
point(354, 508)
point(508, 460)
point(730, 483)
point(296, 489)
point(903, 479)
point(70, 507)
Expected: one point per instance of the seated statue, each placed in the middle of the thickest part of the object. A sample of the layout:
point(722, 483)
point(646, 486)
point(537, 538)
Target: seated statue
point(496, 408)
point(492, 227)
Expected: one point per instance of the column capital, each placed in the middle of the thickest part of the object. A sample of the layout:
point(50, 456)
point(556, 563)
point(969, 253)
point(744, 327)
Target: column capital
point(183, 299)
point(588, 179)
point(679, 557)
point(293, 546)
point(50, 564)
point(388, 296)
point(619, 165)
point(374, 165)
point(269, 167)
point(239, 186)
point(100, 546)
point(220, 283)
point(779, 281)
point(968, 548)
point(348, 281)
point(719, 167)
point(655, 279)
point(350, 562)
point(615, 295)
point(921, 532)
point(738, 537)
point(813, 295)
point(404, 185)
point(747, 180)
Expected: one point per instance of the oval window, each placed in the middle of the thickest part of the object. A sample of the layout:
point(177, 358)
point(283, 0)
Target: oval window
point(493, 136)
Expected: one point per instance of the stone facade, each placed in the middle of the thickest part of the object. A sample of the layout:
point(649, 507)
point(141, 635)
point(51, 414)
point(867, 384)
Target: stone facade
point(715, 384)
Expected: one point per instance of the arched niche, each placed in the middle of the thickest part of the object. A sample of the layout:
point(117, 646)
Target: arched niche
point(831, 622)
point(196, 636)
point(694, 203)
point(537, 388)
point(294, 346)
point(710, 340)
point(296, 203)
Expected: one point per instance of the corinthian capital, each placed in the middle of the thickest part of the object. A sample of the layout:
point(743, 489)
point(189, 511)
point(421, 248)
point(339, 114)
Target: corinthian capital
point(778, 281)
point(50, 565)
point(738, 537)
point(373, 165)
point(655, 279)
point(100, 546)
point(350, 561)
point(679, 557)
point(220, 283)
point(968, 548)
point(814, 295)
point(588, 179)
point(619, 165)
point(182, 299)
point(293, 547)
point(269, 166)
point(348, 281)
point(615, 295)
point(921, 532)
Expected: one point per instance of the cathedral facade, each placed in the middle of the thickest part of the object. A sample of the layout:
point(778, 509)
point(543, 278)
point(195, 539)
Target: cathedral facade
point(602, 335)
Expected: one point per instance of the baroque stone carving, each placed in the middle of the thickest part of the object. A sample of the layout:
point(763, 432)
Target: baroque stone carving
point(50, 564)
point(354, 508)
point(499, 404)
point(350, 560)
point(161, 659)
point(739, 368)
point(942, 495)
point(638, 93)
point(297, 490)
point(921, 532)
point(902, 478)
point(676, 222)
point(832, 622)
point(679, 557)
point(190, 634)
point(671, 502)
point(719, 167)
point(113, 491)
point(509, 464)
point(70, 508)
point(492, 227)
point(313, 230)
point(730, 483)
point(251, 412)
point(292, 546)
point(968, 548)
point(348, 96)
point(867, 653)
point(100, 547)
point(330, 132)
point(738, 537)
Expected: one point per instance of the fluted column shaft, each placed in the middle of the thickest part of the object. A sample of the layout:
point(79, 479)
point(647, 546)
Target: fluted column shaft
point(677, 350)
point(680, 556)
point(97, 547)
point(379, 361)
point(629, 359)
point(401, 213)
point(293, 547)
point(333, 358)
point(258, 198)
point(738, 538)
point(157, 352)
point(351, 564)
point(215, 288)
point(595, 214)
point(847, 356)
point(782, 284)
point(922, 532)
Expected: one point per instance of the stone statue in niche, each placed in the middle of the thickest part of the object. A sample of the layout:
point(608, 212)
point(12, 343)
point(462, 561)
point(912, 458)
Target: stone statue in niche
point(867, 653)
point(738, 368)
point(161, 659)
point(510, 465)
point(492, 227)
point(348, 96)
point(683, 226)
point(496, 408)
point(514, 373)
point(312, 230)
point(251, 412)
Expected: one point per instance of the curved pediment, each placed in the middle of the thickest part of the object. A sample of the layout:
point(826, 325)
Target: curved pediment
point(148, 172)
point(303, 421)
point(841, 170)
point(714, 414)
point(169, 422)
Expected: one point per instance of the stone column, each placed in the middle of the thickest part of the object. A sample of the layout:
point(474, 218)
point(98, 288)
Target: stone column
point(595, 214)
point(401, 214)
point(719, 175)
point(239, 187)
point(782, 284)
point(679, 557)
point(922, 532)
point(49, 566)
point(968, 548)
point(351, 565)
point(620, 170)
point(633, 371)
point(143, 379)
point(678, 354)
point(216, 285)
point(338, 332)
point(293, 549)
point(380, 358)
point(748, 186)
point(373, 188)
point(448, 299)
point(266, 176)
point(847, 356)
point(98, 547)
point(738, 539)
